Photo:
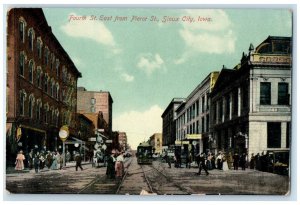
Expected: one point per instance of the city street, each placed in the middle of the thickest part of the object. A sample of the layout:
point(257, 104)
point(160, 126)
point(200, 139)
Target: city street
point(160, 179)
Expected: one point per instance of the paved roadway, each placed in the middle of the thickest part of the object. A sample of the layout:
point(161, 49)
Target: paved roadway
point(173, 181)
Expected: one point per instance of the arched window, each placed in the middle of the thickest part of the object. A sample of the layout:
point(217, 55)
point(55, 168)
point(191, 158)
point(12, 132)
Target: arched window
point(57, 67)
point(46, 110)
point(22, 63)
point(46, 79)
point(57, 117)
point(52, 87)
point(39, 45)
point(31, 68)
point(38, 76)
point(30, 38)
point(38, 109)
point(23, 95)
point(46, 56)
point(57, 91)
point(31, 105)
point(22, 25)
point(52, 61)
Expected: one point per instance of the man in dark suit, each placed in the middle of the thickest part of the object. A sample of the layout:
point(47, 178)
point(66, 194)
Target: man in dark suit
point(202, 164)
point(78, 161)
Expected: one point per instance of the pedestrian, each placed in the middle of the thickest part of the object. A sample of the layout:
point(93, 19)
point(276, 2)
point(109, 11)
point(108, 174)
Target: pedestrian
point(224, 163)
point(54, 161)
point(213, 161)
point(19, 161)
point(236, 159)
point(202, 164)
point(61, 161)
point(49, 159)
point(78, 160)
point(257, 162)
point(188, 160)
point(208, 161)
point(219, 161)
point(30, 159)
point(229, 160)
point(36, 162)
point(42, 160)
point(110, 170)
point(119, 167)
point(252, 161)
point(243, 161)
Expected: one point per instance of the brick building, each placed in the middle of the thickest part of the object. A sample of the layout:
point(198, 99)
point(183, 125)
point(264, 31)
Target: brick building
point(122, 141)
point(41, 84)
point(95, 102)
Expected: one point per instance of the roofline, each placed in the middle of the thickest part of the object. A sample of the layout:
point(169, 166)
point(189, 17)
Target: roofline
point(172, 102)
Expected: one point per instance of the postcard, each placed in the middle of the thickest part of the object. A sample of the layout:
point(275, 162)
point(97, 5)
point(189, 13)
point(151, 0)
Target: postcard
point(148, 101)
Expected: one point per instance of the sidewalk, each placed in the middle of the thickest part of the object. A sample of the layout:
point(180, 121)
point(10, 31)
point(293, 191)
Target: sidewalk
point(11, 170)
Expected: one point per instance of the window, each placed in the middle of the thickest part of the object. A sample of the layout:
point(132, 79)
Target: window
point(39, 77)
point(30, 38)
point(227, 107)
point(38, 109)
point(30, 106)
point(46, 83)
point(274, 134)
point(245, 98)
point(235, 102)
point(197, 107)
point(202, 125)
point(207, 123)
point(30, 67)
point(288, 134)
point(52, 88)
point(265, 93)
point(52, 61)
point(93, 101)
point(203, 103)
point(220, 113)
point(283, 94)
point(57, 91)
point(93, 109)
point(22, 102)
point(46, 56)
point(57, 67)
point(207, 103)
point(46, 110)
point(22, 30)
point(22, 64)
point(39, 45)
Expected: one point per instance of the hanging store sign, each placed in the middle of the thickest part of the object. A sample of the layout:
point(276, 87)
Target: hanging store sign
point(193, 136)
point(108, 141)
point(177, 142)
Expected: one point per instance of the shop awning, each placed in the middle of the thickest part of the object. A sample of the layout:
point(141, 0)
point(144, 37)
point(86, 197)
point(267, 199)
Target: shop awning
point(193, 136)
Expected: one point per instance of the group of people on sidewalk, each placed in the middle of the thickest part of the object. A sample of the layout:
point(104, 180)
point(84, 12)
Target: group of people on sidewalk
point(115, 165)
point(39, 160)
point(209, 161)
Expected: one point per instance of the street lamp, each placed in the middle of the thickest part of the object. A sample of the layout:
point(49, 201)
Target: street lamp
point(64, 134)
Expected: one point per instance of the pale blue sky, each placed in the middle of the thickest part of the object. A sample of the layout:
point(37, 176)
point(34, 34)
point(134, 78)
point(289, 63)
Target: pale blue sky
point(146, 64)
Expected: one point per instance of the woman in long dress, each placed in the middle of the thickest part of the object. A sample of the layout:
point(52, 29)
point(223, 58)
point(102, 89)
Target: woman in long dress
point(54, 163)
point(19, 161)
point(225, 164)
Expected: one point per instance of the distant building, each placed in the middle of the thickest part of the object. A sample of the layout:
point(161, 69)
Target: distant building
point(156, 142)
point(95, 102)
point(41, 85)
point(251, 104)
point(192, 117)
point(168, 118)
point(122, 141)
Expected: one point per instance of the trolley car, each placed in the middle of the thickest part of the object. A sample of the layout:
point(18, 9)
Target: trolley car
point(144, 153)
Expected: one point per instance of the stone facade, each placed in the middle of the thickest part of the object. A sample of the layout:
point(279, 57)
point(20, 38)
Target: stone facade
point(168, 118)
point(192, 116)
point(251, 104)
point(156, 142)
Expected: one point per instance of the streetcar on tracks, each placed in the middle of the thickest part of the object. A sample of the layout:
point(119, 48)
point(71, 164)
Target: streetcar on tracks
point(144, 153)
